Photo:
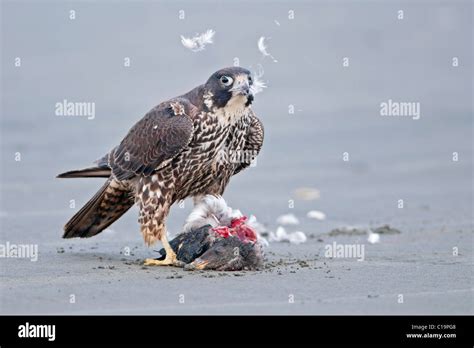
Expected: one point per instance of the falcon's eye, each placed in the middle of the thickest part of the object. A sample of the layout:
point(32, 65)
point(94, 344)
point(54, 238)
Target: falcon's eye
point(226, 80)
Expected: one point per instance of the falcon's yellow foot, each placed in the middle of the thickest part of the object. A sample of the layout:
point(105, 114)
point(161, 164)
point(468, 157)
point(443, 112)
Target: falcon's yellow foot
point(170, 260)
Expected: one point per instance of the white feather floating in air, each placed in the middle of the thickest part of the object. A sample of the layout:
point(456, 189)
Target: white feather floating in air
point(258, 84)
point(262, 47)
point(199, 41)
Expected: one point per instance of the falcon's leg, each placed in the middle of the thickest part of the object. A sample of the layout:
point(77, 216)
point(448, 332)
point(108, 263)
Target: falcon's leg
point(170, 259)
point(154, 206)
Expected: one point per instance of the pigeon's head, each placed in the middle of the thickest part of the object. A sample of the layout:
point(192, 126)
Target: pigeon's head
point(229, 254)
point(229, 87)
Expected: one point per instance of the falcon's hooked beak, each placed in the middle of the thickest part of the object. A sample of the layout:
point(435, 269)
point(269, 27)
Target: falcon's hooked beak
point(242, 88)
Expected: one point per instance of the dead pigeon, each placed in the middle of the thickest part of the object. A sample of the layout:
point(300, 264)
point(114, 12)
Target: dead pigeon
point(217, 237)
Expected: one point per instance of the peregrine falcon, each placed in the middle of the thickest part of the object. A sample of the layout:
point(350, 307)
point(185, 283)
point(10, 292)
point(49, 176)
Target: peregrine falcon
point(188, 146)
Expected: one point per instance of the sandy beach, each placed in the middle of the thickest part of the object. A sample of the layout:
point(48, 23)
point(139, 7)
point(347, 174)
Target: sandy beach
point(426, 162)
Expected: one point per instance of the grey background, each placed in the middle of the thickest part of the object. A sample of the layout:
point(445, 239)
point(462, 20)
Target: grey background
point(390, 158)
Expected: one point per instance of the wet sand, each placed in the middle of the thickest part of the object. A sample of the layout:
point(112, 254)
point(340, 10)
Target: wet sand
point(337, 111)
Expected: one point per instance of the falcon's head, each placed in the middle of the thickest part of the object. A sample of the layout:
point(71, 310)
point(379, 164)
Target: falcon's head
point(229, 87)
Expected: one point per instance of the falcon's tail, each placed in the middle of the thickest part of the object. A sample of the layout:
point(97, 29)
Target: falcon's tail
point(94, 172)
point(107, 205)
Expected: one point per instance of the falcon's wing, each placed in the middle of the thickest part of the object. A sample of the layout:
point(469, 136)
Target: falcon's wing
point(159, 136)
point(254, 142)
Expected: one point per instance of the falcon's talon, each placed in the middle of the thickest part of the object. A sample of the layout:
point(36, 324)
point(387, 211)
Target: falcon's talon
point(166, 262)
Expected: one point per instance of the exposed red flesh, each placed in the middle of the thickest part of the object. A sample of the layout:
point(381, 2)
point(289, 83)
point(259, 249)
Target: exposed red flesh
point(239, 229)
